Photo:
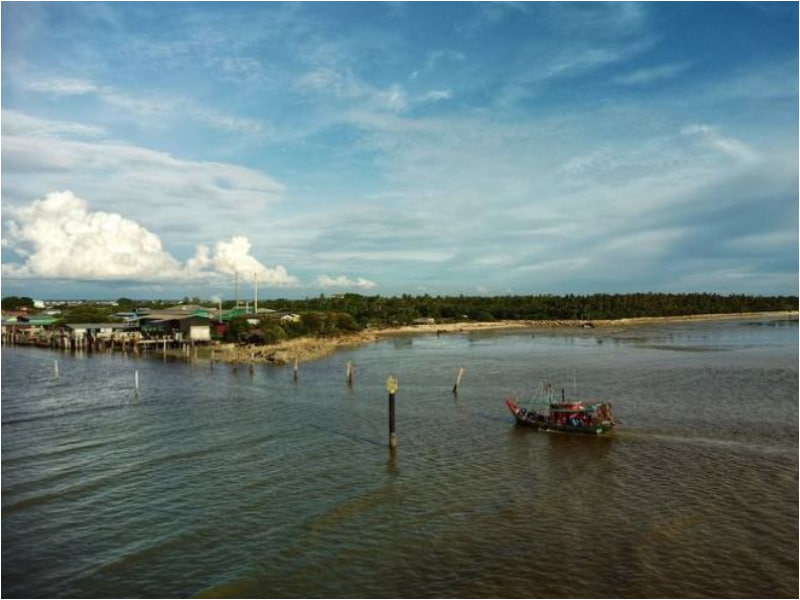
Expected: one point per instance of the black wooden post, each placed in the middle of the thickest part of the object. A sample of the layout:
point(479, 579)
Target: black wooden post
point(391, 387)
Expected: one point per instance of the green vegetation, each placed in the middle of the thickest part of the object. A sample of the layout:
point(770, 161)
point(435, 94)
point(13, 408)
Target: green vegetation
point(17, 303)
point(379, 310)
point(271, 329)
point(88, 313)
point(352, 312)
point(328, 316)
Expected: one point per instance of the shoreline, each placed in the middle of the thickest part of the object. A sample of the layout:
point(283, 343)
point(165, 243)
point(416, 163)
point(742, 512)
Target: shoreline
point(307, 349)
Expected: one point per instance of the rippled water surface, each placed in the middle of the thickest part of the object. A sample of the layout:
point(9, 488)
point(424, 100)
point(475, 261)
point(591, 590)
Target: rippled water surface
point(215, 482)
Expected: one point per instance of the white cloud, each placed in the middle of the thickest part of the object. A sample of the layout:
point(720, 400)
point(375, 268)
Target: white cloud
point(60, 238)
point(342, 281)
point(443, 58)
point(239, 68)
point(558, 265)
point(339, 83)
point(393, 99)
point(580, 58)
point(45, 155)
point(234, 257)
point(61, 86)
point(730, 146)
point(16, 123)
point(225, 122)
point(653, 74)
point(771, 241)
point(436, 95)
point(149, 107)
point(587, 163)
point(340, 87)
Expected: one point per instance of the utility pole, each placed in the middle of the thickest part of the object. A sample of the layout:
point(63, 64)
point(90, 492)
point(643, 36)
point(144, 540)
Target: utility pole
point(255, 293)
point(237, 289)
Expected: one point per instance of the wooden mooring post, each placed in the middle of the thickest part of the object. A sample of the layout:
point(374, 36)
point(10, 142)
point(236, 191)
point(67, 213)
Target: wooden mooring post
point(458, 380)
point(349, 373)
point(391, 387)
point(295, 372)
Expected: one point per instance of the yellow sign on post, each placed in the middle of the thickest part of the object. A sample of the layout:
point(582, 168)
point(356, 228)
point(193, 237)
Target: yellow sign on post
point(391, 384)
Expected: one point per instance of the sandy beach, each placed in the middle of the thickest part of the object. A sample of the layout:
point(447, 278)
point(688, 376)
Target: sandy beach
point(306, 348)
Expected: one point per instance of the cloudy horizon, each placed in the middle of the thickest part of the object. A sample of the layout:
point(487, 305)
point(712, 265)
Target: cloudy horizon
point(162, 150)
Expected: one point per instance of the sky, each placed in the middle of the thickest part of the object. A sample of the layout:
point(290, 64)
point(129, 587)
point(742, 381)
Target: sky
point(168, 150)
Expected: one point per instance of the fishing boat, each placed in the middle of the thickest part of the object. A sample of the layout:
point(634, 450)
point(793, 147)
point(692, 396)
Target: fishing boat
point(565, 416)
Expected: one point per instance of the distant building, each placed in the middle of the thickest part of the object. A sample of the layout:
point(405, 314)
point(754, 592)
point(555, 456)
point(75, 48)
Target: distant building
point(79, 331)
point(424, 321)
point(189, 327)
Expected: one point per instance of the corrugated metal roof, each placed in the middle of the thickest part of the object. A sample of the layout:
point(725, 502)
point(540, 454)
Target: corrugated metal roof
point(165, 315)
point(98, 326)
point(38, 319)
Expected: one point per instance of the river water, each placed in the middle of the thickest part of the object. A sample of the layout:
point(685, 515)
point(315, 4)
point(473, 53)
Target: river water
point(221, 483)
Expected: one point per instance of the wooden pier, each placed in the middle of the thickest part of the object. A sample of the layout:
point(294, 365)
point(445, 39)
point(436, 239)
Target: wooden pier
point(13, 336)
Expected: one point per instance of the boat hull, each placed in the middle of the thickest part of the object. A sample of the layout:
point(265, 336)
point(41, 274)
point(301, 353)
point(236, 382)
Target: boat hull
point(542, 422)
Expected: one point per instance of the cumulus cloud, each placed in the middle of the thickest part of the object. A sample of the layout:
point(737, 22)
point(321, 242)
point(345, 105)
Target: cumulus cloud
point(234, 257)
point(342, 281)
point(59, 237)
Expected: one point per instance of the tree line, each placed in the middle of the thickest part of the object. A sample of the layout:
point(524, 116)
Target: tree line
point(405, 309)
point(331, 315)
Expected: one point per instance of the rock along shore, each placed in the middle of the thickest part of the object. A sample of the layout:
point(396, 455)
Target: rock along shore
point(312, 348)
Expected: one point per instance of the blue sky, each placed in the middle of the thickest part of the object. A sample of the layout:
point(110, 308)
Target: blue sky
point(163, 150)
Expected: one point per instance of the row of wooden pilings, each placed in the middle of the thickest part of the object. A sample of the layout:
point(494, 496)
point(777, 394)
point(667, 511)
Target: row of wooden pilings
point(101, 344)
point(391, 388)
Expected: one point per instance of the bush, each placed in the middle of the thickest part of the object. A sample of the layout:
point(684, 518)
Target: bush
point(17, 303)
point(238, 330)
point(272, 332)
point(346, 322)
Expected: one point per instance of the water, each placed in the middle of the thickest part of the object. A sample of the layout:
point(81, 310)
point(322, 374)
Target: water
point(211, 482)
